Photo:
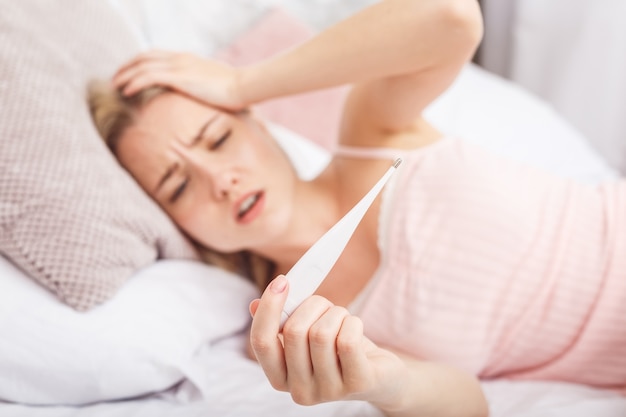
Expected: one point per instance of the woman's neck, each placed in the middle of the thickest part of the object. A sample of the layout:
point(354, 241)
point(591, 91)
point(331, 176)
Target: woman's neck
point(315, 210)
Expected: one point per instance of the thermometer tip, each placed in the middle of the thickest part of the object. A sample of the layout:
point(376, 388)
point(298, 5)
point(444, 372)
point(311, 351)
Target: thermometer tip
point(397, 162)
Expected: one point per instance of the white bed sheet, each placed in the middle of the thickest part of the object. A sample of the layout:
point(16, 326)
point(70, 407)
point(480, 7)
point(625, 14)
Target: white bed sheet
point(234, 386)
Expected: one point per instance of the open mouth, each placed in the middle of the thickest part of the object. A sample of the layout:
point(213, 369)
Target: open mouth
point(250, 207)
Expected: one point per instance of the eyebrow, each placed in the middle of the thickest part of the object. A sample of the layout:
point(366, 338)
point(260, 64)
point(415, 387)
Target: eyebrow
point(195, 139)
point(203, 129)
point(164, 178)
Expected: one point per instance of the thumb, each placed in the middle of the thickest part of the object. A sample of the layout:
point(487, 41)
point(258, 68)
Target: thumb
point(267, 311)
point(264, 333)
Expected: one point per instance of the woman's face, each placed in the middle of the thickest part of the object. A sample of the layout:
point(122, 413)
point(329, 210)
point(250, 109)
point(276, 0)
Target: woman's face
point(219, 176)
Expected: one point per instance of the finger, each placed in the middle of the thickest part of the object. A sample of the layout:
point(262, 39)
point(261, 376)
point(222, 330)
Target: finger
point(146, 58)
point(124, 77)
point(150, 79)
point(355, 367)
point(153, 54)
point(296, 338)
point(323, 346)
point(254, 304)
point(264, 331)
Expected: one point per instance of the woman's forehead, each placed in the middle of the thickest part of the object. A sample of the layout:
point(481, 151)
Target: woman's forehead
point(144, 154)
point(174, 112)
point(146, 149)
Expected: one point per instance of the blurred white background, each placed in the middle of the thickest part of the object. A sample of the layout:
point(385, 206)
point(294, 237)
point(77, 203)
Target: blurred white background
point(571, 53)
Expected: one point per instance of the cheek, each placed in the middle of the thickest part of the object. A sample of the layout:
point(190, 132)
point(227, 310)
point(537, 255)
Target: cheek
point(203, 224)
point(190, 219)
point(268, 156)
point(258, 145)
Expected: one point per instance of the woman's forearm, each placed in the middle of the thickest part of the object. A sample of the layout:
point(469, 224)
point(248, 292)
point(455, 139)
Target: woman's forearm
point(393, 37)
point(436, 390)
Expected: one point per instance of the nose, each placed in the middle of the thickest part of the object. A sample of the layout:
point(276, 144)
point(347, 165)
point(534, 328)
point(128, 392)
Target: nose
point(223, 182)
point(220, 177)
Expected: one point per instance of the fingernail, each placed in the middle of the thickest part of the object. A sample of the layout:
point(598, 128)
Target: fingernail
point(253, 307)
point(279, 284)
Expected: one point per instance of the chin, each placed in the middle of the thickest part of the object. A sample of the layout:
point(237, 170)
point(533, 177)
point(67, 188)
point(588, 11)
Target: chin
point(276, 225)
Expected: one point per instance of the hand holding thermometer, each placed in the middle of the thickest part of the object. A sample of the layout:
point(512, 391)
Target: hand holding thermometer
point(311, 269)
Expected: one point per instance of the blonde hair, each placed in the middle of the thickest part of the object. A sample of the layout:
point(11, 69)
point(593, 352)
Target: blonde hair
point(112, 114)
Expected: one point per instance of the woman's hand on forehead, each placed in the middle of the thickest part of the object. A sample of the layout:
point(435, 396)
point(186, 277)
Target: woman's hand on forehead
point(210, 81)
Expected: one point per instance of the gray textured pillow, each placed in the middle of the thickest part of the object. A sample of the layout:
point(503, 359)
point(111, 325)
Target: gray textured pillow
point(70, 217)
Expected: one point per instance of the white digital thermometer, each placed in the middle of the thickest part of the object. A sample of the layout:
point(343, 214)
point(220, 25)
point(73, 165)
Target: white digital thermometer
point(311, 269)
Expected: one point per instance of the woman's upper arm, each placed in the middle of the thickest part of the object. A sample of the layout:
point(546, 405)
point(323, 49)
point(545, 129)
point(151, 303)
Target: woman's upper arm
point(389, 105)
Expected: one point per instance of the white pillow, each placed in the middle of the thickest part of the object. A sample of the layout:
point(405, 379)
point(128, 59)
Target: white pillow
point(307, 157)
point(137, 343)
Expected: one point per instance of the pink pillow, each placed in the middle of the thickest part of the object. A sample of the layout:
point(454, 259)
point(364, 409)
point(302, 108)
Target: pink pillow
point(314, 115)
point(70, 216)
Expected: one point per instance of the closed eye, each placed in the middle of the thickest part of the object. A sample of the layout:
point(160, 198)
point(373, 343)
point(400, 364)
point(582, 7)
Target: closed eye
point(179, 190)
point(221, 140)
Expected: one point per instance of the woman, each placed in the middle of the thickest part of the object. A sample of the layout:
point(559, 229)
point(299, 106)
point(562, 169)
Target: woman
point(477, 265)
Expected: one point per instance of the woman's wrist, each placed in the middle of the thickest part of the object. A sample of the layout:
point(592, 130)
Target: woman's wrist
point(427, 388)
point(398, 396)
point(236, 90)
point(255, 83)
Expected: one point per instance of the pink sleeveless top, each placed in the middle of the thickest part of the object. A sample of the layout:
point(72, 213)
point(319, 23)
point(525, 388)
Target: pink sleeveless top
point(498, 268)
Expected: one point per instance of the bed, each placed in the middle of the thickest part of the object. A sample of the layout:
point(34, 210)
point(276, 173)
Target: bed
point(168, 339)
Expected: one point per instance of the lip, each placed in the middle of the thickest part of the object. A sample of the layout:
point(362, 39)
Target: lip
point(254, 212)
